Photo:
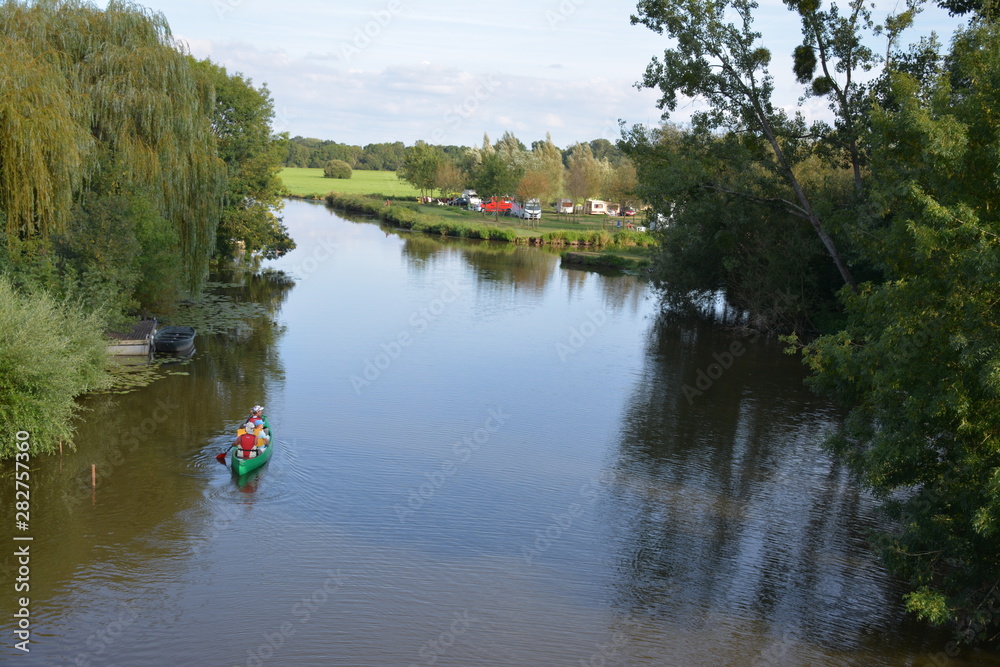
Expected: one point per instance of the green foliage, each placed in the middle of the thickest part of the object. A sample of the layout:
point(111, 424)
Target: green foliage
point(45, 148)
point(112, 106)
point(160, 281)
point(49, 353)
point(725, 64)
point(497, 176)
point(919, 359)
point(337, 169)
point(729, 229)
point(315, 153)
point(241, 121)
point(420, 167)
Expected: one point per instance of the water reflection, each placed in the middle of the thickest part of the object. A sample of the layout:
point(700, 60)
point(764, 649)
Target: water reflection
point(730, 519)
point(718, 533)
point(147, 452)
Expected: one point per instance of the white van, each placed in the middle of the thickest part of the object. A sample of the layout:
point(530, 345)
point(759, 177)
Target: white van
point(564, 206)
point(532, 210)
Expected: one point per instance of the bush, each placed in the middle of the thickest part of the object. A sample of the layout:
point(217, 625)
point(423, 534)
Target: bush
point(50, 352)
point(337, 169)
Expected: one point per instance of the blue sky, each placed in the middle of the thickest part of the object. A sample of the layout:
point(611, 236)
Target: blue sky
point(446, 72)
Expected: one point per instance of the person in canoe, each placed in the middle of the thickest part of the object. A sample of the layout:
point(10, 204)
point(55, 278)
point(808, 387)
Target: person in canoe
point(249, 438)
point(257, 413)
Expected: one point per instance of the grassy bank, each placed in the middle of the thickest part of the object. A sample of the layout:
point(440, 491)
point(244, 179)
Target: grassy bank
point(310, 183)
point(452, 221)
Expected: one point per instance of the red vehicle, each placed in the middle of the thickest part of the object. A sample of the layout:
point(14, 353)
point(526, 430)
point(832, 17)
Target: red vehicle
point(493, 205)
point(629, 210)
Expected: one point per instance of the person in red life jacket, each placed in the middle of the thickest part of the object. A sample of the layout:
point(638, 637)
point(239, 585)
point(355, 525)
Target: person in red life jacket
point(247, 442)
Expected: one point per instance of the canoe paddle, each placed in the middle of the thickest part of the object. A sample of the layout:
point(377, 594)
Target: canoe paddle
point(221, 457)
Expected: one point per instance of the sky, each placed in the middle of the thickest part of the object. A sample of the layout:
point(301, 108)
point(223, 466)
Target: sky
point(446, 72)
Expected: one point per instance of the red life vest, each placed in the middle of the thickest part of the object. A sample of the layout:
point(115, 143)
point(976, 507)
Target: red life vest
point(247, 442)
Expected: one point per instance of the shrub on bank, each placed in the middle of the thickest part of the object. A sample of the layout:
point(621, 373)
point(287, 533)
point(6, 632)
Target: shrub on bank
point(627, 239)
point(337, 169)
point(50, 352)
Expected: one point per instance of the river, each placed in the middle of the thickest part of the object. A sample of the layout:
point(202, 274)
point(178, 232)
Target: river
point(481, 459)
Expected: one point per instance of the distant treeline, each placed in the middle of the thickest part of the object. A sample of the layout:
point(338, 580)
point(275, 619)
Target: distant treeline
point(389, 156)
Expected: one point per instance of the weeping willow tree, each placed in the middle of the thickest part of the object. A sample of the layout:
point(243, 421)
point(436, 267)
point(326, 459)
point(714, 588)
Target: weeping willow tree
point(45, 151)
point(111, 188)
point(105, 103)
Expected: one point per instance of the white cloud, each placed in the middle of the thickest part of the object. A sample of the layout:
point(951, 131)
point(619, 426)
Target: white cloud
point(387, 70)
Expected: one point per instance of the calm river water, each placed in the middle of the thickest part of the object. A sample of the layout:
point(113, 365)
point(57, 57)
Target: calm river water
point(482, 459)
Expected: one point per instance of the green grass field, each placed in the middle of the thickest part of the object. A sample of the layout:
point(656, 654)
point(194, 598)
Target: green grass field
point(549, 221)
point(303, 182)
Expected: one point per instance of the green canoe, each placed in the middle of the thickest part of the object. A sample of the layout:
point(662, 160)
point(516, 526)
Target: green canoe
point(243, 466)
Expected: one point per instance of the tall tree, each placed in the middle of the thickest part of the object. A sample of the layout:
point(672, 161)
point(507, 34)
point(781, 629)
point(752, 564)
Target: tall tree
point(449, 177)
point(533, 185)
point(121, 79)
point(241, 120)
point(549, 161)
point(46, 149)
point(583, 177)
point(496, 176)
point(420, 166)
point(769, 265)
point(725, 64)
point(919, 359)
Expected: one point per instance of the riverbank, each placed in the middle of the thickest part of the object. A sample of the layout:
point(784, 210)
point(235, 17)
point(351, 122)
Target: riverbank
point(456, 222)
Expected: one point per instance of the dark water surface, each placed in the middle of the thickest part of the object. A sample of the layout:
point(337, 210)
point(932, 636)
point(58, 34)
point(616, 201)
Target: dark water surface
point(482, 459)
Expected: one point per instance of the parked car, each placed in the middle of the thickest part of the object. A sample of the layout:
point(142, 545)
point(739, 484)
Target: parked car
point(629, 210)
point(460, 201)
point(504, 205)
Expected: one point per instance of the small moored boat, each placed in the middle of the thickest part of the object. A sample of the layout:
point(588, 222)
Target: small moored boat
point(174, 340)
point(136, 342)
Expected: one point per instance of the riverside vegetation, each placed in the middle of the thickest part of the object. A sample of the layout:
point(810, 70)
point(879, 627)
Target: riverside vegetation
point(873, 240)
point(878, 232)
point(128, 167)
point(465, 224)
